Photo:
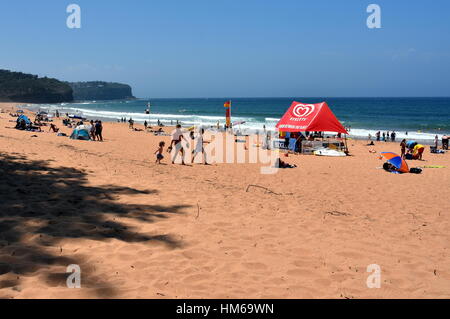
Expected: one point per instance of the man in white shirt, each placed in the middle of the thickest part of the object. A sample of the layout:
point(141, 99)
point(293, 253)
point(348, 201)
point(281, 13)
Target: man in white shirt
point(177, 136)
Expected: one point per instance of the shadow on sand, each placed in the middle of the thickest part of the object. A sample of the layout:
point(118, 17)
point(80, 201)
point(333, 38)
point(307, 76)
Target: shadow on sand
point(41, 205)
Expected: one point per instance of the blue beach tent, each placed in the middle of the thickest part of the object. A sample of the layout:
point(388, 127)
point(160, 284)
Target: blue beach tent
point(25, 118)
point(80, 134)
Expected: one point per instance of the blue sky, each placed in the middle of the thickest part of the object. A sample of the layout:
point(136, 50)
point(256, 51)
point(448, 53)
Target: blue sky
point(246, 48)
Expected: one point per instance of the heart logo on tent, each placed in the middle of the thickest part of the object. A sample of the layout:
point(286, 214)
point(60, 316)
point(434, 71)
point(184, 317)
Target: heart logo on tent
point(303, 110)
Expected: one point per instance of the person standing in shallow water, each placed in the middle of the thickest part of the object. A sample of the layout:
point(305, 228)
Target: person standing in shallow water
point(393, 136)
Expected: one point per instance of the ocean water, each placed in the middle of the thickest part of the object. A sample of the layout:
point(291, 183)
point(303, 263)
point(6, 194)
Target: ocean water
point(422, 118)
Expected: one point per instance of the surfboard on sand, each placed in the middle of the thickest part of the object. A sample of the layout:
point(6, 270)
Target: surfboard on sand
point(328, 152)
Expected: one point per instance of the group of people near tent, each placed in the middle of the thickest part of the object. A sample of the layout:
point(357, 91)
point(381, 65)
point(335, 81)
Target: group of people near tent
point(92, 131)
point(24, 123)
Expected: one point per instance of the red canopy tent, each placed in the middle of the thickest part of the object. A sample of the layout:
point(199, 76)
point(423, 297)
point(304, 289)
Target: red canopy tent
point(310, 117)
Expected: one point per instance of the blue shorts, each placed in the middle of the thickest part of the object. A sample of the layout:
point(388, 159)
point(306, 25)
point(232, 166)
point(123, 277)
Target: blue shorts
point(159, 156)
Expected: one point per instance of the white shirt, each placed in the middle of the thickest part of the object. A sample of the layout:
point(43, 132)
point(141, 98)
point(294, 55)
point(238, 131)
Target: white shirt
point(176, 134)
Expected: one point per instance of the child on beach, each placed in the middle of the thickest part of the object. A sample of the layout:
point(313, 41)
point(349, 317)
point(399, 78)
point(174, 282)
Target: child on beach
point(159, 151)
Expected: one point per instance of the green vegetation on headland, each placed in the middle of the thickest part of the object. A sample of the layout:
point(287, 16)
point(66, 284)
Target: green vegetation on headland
point(28, 88)
point(97, 90)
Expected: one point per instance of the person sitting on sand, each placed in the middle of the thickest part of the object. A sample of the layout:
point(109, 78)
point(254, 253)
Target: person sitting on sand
point(177, 136)
point(159, 152)
point(281, 164)
point(391, 168)
point(53, 128)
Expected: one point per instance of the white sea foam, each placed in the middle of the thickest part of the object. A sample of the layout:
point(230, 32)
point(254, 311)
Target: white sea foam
point(251, 124)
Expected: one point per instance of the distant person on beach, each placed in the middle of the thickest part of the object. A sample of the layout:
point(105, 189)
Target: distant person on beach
point(131, 123)
point(436, 141)
point(53, 128)
point(145, 124)
point(378, 134)
point(98, 130)
point(393, 136)
point(159, 152)
point(403, 148)
point(177, 136)
point(92, 130)
point(384, 137)
point(445, 142)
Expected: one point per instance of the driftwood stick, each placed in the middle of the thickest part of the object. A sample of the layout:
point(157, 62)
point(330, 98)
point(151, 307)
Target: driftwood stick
point(198, 211)
point(262, 187)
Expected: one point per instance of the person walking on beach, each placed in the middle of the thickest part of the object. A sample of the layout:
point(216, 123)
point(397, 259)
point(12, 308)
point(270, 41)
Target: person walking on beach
point(145, 124)
point(384, 137)
point(378, 134)
point(98, 130)
point(199, 146)
point(159, 152)
point(403, 148)
point(436, 142)
point(131, 122)
point(177, 136)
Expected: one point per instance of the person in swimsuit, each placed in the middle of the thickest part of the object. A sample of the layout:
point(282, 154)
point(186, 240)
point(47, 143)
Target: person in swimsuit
point(159, 151)
point(403, 148)
point(53, 128)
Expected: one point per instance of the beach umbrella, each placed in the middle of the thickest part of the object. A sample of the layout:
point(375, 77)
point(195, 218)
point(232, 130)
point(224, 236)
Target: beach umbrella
point(397, 161)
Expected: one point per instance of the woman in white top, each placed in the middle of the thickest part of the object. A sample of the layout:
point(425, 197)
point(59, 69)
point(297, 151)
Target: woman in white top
point(199, 146)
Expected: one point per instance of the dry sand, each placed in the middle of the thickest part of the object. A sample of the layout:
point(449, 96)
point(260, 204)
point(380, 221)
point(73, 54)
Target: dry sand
point(141, 230)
